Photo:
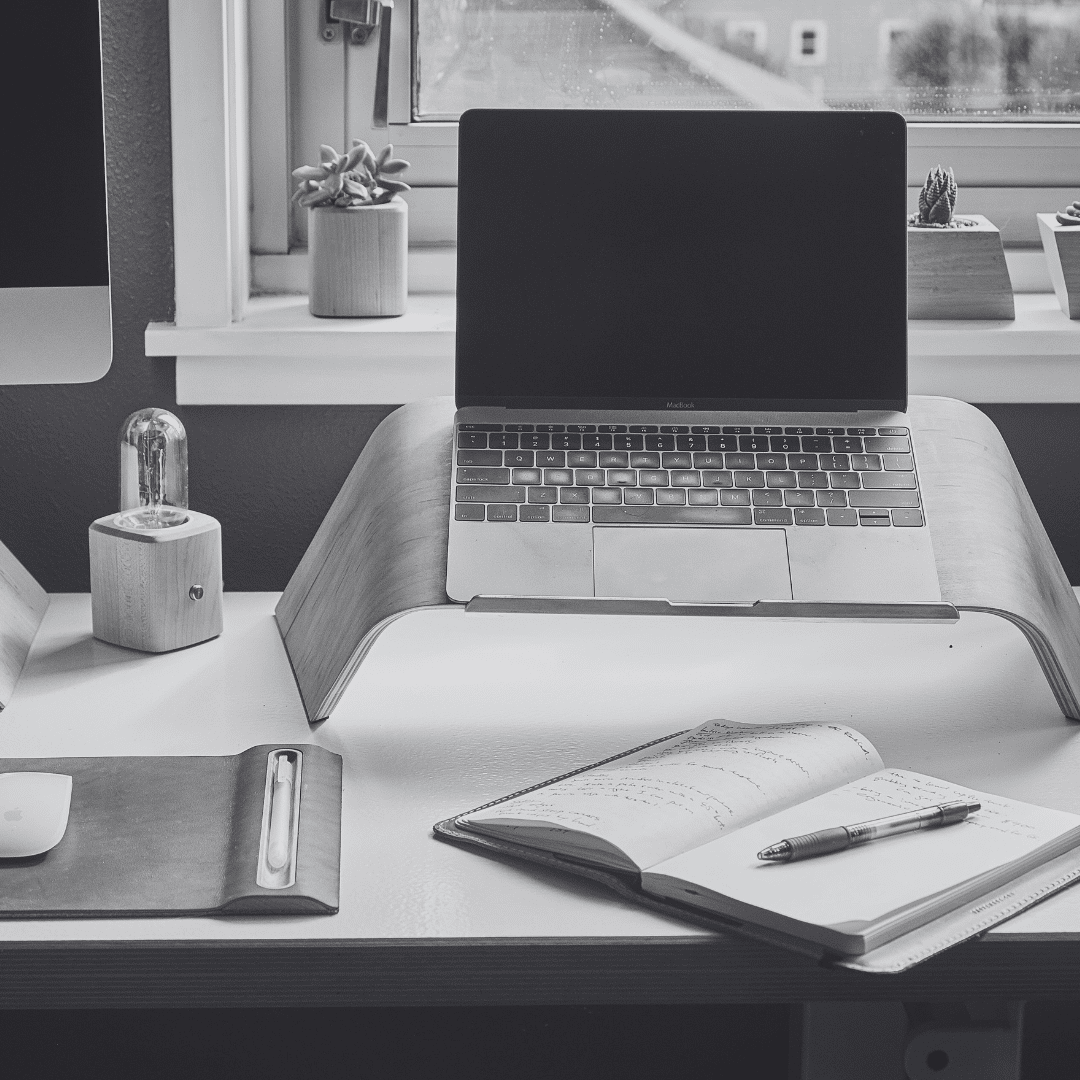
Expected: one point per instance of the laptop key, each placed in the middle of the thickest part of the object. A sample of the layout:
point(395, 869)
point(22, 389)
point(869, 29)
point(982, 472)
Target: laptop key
point(772, 517)
point(589, 477)
point(479, 427)
point(596, 442)
point(502, 513)
point(804, 516)
point(866, 462)
point(535, 441)
point(753, 443)
point(783, 443)
point(565, 442)
point(716, 479)
point(772, 461)
point(622, 478)
point(672, 515)
point(670, 496)
point(480, 494)
point(862, 431)
point(472, 440)
point(813, 480)
point(706, 497)
point(581, 428)
point(800, 498)
point(484, 458)
point(611, 429)
point(652, 478)
point(611, 460)
point(768, 431)
point(739, 461)
point(572, 513)
point(892, 431)
point(723, 442)
point(628, 442)
point(685, 478)
point(780, 479)
point(844, 480)
point(483, 476)
point(644, 429)
point(708, 461)
point(677, 461)
point(534, 513)
point(606, 495)
point(847, 444)
point(469, 512)
point(543, 495)
point(573, 495)
point(644, 461)
point(550, 427)
point(832, 498)
point(504, 440)
point(518, 459)
point(897, 462)
point(735, 498)
point(659, 442)
point(551, 459)
point(638, 496)
point(842, 517)
point(526, 476)
point(883, 498)
point(815, 445)
point(691, 442)
point(893, 480)
point(874, 517)
point(558, 476)
point(733, 430)
point(802, 461)
point(518, 427)
point(830, 430)
point(749, 479)
point(834, 462)
point(907, 518)
point(798, 431)
point(705, 429)
point(581, 459)
point(761, 497)
point(888, 445)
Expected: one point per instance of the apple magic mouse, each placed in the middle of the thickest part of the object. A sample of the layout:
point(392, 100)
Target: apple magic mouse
point(33, 812)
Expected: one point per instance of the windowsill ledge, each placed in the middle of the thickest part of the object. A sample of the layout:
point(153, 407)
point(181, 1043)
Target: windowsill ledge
point(280, 354)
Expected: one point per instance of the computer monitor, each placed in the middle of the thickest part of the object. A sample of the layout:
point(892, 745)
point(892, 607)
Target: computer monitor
point(55, 312)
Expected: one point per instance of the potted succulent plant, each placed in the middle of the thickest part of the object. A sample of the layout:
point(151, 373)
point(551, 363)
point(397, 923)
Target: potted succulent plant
point(956, 265)
point(358, 232)
point(1061, 244)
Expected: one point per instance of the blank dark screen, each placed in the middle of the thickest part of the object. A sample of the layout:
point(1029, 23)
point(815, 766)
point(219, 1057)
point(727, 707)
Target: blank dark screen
point(719, 259)
point(53, 216)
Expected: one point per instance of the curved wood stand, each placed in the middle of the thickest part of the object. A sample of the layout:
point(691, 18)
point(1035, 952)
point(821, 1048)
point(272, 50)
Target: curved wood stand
point(381, 550)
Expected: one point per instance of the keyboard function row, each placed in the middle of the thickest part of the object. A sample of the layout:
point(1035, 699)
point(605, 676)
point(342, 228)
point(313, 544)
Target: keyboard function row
point(693, 442)
point(614, 459)
point(685, 429)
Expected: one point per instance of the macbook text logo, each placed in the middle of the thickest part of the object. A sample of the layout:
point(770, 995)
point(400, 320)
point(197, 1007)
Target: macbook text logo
point(680, 405)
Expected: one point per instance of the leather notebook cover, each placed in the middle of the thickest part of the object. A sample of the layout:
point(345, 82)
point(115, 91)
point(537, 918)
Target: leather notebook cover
point(178, 836)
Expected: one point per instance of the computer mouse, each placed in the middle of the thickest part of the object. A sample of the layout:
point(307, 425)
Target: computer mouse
point(33, 812)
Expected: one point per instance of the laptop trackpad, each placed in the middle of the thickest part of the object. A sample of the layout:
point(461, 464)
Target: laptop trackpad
point(692, 566)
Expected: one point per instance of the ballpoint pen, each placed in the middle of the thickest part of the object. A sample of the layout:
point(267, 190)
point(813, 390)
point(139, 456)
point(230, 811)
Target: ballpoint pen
point(278, 845)
point(845, 836)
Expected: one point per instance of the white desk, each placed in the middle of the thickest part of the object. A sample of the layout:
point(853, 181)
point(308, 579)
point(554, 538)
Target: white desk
point(452, 709)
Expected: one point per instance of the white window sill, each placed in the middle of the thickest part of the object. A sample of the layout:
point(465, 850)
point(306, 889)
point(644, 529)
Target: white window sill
point(281, 355)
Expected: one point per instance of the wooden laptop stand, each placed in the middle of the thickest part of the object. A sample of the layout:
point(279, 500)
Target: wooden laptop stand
point(381, 552)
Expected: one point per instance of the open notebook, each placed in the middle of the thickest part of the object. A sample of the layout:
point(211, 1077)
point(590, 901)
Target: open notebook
point(678, 824)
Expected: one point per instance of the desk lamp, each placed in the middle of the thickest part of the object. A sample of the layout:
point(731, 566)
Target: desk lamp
point(55, 311)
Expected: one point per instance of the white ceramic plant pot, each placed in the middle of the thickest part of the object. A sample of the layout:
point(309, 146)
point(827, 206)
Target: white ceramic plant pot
point(1061, 245)
point(358, 259)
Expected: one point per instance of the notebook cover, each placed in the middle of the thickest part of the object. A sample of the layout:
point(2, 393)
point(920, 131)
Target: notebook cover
point(904, 952)
point(177, 836)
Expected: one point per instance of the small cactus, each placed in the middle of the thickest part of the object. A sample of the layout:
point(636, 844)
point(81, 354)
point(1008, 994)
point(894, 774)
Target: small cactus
point(937, 199)
point(1070, 215)
point(357, 178)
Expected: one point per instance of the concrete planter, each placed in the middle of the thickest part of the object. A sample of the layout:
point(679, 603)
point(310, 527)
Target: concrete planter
point(1061, 246)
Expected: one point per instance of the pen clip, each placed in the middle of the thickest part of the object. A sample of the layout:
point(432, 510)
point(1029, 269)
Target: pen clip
point(279, 832)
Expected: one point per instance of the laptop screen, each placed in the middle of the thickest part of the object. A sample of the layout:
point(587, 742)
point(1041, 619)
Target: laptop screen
point(706, 260)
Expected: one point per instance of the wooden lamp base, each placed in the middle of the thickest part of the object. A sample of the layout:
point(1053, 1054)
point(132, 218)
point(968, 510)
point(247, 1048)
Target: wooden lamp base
point(156, 589)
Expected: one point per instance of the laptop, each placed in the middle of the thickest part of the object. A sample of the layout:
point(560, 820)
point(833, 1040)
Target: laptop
point(681, 368)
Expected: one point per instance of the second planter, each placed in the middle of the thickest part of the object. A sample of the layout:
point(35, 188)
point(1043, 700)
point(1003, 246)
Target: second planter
point(358, 259)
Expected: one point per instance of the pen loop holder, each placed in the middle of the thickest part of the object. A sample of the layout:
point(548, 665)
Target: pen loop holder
point(280, 828)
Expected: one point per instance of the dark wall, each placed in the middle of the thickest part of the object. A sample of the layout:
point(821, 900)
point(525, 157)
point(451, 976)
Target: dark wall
point(267, 473)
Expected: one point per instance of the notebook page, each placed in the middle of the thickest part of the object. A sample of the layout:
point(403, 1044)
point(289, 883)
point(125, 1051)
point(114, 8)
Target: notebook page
point(850, 889)
point(690, 790)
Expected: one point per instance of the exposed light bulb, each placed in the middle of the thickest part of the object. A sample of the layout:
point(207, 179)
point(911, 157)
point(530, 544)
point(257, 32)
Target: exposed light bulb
point(153, 471)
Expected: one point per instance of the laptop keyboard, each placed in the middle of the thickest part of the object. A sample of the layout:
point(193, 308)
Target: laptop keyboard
point(675, 474)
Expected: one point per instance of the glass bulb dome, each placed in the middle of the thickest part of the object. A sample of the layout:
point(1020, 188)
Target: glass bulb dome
point(153, 470)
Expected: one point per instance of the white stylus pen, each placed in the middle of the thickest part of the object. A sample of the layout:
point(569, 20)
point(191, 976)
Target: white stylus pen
point(277, 848)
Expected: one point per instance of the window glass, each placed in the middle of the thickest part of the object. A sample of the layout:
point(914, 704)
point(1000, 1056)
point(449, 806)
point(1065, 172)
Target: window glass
point(930, 59)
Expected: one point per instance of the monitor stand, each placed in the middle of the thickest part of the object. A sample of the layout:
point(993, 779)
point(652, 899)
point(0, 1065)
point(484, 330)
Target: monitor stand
point(22, 607)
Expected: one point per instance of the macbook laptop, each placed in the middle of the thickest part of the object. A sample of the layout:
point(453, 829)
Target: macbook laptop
point(682, 359)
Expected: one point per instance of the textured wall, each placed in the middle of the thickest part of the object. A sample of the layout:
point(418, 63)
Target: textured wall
point(267, 473)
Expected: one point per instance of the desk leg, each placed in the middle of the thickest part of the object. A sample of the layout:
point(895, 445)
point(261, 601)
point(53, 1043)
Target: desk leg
point(891, 1040)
